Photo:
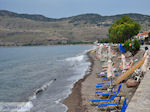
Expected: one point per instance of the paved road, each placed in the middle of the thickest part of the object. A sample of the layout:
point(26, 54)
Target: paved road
point(141, 100)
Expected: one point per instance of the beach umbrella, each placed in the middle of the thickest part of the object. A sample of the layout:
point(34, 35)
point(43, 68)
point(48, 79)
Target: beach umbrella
point(96, 42)
point(105, 53)
point(109, 51)
point(110, 72)
point(146, 53)
point(97, 47)
point(100, 50)
point(144, 67)
point(123, 59)
point(101, 46)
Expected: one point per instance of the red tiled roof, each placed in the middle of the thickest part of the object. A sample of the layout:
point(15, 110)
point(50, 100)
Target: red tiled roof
point(144, 33)
point(85, 41)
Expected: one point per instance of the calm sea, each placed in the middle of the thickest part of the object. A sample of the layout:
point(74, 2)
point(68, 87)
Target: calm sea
point(42, 75)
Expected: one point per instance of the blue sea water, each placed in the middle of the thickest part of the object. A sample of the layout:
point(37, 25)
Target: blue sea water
point(43, 75)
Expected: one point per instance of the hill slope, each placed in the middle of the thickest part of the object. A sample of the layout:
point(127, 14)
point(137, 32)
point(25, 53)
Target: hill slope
point(22, 29)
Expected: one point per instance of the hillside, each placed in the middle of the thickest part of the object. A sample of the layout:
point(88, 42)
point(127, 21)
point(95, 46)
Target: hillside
point(25, 29)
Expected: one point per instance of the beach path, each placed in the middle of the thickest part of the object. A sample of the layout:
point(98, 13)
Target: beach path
point(140, 102)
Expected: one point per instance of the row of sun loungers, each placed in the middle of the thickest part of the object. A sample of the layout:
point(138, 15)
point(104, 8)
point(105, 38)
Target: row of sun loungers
point(107, 98)
point(108, 95)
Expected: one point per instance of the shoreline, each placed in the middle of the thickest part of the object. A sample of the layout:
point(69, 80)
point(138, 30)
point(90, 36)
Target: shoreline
point(74, 101)
point(43, 45)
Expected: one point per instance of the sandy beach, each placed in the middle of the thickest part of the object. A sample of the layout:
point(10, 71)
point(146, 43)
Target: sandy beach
point(84, 89)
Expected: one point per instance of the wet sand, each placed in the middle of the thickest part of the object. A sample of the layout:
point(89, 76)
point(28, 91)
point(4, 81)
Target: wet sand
point(84, 89)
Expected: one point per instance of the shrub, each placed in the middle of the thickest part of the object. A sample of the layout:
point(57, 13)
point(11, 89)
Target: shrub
point(136, 45)
point(126, 45)
point(149, 34)
point(104, 40)
point(132, 46)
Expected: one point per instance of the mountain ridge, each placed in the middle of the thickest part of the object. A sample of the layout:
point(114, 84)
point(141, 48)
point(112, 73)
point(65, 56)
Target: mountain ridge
point(44, 18)
point(26, 29)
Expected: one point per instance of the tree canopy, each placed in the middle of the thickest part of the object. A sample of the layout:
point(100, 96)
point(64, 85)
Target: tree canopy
point(123, 29)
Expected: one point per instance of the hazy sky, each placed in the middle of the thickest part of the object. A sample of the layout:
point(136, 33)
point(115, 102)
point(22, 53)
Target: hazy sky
point(66, 8)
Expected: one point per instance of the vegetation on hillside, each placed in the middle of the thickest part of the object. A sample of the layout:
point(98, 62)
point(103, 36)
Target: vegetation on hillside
point(25, 29)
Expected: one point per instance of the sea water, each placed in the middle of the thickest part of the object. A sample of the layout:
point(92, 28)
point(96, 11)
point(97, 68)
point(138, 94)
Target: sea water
point(42, 76)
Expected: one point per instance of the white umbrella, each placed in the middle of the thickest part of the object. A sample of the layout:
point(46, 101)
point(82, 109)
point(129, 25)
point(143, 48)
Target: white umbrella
point(146, 53)
point(99, 51)
point(123, 59)
point(109, 51)
point(110, 72)
point(97, 47)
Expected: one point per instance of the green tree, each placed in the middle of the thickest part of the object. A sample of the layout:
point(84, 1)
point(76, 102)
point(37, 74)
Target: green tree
point(123, 29)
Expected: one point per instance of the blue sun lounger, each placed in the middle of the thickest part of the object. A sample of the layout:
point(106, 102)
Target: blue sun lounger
point(106, 100)
point(108, 78)
point(124, 106)
point(102, 73)
point(112, 93)
point(106, 94)
point(109, 104)
point(102, 83)
point(97, 92)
